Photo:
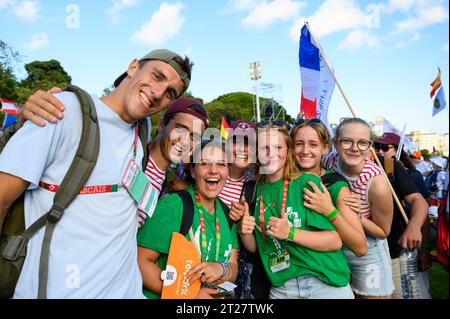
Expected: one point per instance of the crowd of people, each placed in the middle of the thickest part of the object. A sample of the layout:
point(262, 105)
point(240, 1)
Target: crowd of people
point(281, 209)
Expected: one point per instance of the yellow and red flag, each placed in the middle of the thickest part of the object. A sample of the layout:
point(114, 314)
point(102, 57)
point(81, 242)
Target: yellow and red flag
point(436, 84)
point(224, 126)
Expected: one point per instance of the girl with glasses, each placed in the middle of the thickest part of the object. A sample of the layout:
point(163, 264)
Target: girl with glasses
point(310, 139)
point(371, 274)
point(299, 248)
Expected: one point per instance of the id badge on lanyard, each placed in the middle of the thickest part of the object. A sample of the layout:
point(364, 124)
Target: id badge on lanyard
point(136, 182)
point(280, 262)
point(138, 185)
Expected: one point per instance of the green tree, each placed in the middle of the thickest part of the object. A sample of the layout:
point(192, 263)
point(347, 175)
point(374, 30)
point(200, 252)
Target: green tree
point(238, 105)
point(8, 82)
point(425, 154)
point(42, 75)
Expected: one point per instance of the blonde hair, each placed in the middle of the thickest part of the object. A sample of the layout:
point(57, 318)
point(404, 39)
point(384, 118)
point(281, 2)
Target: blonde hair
point(321, 130)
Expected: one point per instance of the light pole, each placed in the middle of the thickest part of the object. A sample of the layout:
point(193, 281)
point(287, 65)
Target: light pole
point(255, 75)
point(379, 123)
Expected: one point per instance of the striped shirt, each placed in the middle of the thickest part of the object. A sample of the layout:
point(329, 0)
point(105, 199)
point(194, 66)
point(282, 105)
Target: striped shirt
point(359, 185)
point(232, 190)
point(157, 178)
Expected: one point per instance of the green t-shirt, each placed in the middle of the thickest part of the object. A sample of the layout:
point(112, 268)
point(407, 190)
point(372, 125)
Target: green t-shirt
point(156, 234)
point(329, 267)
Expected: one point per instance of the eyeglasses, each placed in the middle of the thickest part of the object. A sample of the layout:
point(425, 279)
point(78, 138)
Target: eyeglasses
point(383, 147)
point(347, 143)
point(308, 121)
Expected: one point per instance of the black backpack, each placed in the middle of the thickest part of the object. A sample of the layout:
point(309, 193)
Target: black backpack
point(14, 237)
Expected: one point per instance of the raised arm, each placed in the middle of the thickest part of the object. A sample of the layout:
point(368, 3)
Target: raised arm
point(347, 224)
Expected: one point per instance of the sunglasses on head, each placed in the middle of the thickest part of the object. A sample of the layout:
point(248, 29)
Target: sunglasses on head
point(277, 123)
point(308, 121)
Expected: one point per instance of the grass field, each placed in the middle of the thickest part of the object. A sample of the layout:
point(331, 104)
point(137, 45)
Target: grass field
point(438, 282)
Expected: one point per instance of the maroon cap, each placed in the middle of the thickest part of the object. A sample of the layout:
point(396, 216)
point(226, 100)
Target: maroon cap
point(243, 128)
point(389, 138)
point(189, 106)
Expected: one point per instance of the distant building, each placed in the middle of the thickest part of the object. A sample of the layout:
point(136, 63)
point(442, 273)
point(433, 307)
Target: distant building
point(429, 140)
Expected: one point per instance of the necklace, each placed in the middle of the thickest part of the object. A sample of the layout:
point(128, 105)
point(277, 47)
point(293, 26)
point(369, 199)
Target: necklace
point(204, 243)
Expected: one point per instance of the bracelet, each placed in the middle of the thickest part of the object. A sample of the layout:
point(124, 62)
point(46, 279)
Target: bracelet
point(224, 268)
point(332, 215)
point(291, 234)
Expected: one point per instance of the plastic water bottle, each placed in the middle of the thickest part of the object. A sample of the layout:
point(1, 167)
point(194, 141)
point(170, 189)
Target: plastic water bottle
point(408, 274)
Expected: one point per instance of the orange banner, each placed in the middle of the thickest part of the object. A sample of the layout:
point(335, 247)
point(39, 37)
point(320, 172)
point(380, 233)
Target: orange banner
point(182, 257)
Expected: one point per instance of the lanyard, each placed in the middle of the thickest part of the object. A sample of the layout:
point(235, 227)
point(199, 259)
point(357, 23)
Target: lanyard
point(203, 229)
point(97, 189)
point(261, 206)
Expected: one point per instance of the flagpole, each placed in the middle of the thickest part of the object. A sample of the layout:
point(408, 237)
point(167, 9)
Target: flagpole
point(400, 144)
point(397, 201)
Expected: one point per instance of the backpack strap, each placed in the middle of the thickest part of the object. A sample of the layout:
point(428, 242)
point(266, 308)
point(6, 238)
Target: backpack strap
point(143, 136)
point(226, 211)
point(188, 212)
point(248, 190)
point(388, 164)
point(75, 178)
point(331, 178)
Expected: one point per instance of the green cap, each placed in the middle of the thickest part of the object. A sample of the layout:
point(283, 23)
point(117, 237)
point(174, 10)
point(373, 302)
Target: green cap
point(165, 56)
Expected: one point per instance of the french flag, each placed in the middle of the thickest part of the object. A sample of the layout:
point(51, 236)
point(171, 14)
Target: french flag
point(9, 107)
point(317, 80)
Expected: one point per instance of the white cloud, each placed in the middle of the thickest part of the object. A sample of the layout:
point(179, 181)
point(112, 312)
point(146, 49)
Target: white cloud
point(425, 16)
point(38, 40)
point(359, 39)
point(266, 14)
point(338, 15)
point(163, 25)
point(445, 47)
point(400, 5)
point(188, 50)
point(416, 37)
point(243, 5)
point(27, 11)
point(4, 4)
point(118, 5)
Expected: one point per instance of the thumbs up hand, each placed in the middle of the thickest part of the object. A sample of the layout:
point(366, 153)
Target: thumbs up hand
point(279, 228)
point(247, 223)
point(237, 210)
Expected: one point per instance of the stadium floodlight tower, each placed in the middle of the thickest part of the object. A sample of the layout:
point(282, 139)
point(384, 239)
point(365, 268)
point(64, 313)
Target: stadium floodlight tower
point(255, 75)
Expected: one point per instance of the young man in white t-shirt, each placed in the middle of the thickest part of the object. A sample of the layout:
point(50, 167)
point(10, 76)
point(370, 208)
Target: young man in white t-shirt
point(93, 253)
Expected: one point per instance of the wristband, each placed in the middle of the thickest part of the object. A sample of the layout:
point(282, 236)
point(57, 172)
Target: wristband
point(332, 215)
point(291, 234)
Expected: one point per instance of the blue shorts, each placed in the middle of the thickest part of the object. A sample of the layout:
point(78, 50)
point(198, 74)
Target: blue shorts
point(308, 287)
point(372, 273)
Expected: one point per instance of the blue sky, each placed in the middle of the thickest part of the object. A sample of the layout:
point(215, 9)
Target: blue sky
point(385, 54)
